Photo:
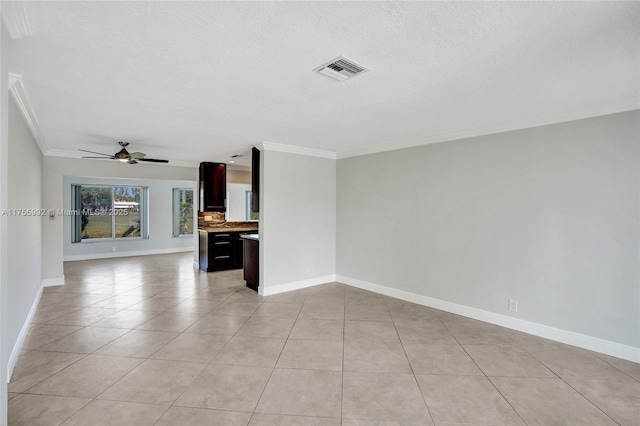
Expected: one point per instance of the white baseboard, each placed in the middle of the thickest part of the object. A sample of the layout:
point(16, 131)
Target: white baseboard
point(296, 285)
point(52, 282)
point(196, 265)
point(607, 347)
point(15, 352)
point(109, 255)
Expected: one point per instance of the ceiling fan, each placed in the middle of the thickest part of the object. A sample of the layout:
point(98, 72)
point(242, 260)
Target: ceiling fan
point(124, 156)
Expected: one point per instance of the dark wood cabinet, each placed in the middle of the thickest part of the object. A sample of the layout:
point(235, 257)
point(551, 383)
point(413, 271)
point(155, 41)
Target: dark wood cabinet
point(251, 265)
point(213, 187)
point(220, 251)
point(255, 180)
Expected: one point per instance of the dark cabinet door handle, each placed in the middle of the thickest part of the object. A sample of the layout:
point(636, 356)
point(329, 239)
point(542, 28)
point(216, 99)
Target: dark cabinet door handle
point(220, 243)
point(221, 235)
point(223, 257)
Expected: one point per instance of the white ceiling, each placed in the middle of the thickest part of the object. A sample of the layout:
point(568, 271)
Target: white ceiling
point(201, 81)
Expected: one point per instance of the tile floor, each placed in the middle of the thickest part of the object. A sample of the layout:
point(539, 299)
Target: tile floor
point(151, 341)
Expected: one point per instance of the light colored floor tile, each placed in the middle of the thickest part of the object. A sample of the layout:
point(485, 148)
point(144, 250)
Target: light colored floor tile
point(310, 324)
point(571, 362)
point(311, 355)
point(472, 332)
point(154, 382)
point(202, 417)
point(417, 330)
point(322, 311)
point(289, 297)
point(383, 397)
point(83, 316)
point(251, 351)
point(119, 302)
point(361, 422)
point(363, 331)
point(364, 312)
point(226, 387)
point(310, 329)
point(87, 378)
point(356, 295)
point(85, 340)
point(241, 309)
point(620, 400)
point(375, 357)
point(41, 334)
point(145, 291)
point(549, 402)
point(196, 306)
point(218, 324)
point(440, 359)
point(126, 319)
point(302, 392)
point(279, 310)
point(259, 419)
point(138, 343)
point(158, 304)
point(258, 326)
point(11, 395)
point(170, 321)
point(46, 313)
point(192, 347)
point(401, 309)
point(113, 413)
point(632, 369)
point(180, 292)
point(43, 410)
point(35, 366)
point(71, 299)
point(466, 399)
point(502, 360)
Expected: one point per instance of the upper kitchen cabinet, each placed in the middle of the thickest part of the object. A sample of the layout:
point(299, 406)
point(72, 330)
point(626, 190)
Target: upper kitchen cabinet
point(213, 187)
point(255, 180)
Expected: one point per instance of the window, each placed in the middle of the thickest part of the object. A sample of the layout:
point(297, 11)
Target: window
point(109, 212)
point(182, 212)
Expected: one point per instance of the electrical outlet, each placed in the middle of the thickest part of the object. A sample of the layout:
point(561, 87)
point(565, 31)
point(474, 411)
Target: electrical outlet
point(513, 305)
point(113, 249)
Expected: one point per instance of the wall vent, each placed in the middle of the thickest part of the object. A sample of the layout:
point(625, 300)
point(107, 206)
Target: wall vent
point(341, 69)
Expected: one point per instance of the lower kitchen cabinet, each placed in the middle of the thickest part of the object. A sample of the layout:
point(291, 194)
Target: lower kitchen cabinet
point(220, 251)
point(251, 262)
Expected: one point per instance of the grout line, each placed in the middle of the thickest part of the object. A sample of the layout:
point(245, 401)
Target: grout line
point(413, 373)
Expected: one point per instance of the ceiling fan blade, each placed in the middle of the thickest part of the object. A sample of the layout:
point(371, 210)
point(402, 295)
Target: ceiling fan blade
point(102, 158)
point(93, 152)
point(132, 161)
point(152, 160)
point(136, 155)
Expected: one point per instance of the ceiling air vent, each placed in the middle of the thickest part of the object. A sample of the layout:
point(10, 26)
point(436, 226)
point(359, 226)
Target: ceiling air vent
point(341, 69)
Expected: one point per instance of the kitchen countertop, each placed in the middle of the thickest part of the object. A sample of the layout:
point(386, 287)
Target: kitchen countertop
point(229, 229)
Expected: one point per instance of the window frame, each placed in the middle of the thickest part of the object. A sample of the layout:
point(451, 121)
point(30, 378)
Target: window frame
point(76, 220)
point(175, 207)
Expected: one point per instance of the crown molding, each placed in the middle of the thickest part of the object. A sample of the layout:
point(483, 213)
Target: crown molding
point(549, 118)
point(15, 18)
point(291, 149)
point(21, 97)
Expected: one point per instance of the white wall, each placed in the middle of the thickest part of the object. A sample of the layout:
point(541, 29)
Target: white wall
point(25, 231)
point(160, 221)
point(236, 202)
point(55, 168)
point(547, 216)
point(297, 221)
point(4, 222)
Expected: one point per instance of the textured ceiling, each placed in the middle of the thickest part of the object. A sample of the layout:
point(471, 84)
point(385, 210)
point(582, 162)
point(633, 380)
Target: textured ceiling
point(201, 81)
